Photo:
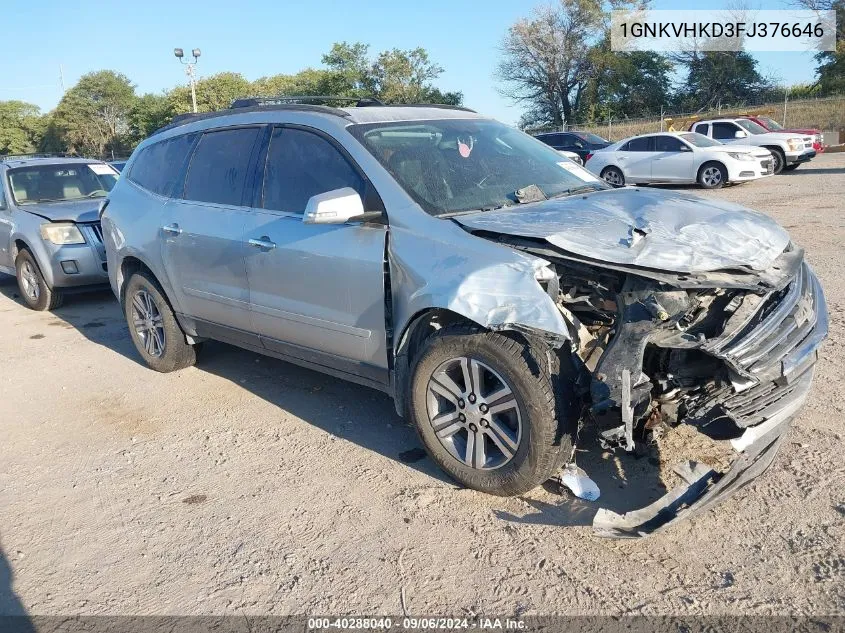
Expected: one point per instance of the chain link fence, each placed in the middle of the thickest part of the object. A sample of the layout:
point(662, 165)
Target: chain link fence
point(823, 113)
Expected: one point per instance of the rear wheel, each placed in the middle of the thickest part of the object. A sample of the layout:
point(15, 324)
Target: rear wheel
point(34, 289)
point(712, 175)
point(153, 326)
point(613, 176)
point(498, 415)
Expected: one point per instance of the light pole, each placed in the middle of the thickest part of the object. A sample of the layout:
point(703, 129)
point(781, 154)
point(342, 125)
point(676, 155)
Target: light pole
point(189, 71)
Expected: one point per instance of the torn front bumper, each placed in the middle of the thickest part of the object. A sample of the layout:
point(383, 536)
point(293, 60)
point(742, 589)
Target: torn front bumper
point(781, 351)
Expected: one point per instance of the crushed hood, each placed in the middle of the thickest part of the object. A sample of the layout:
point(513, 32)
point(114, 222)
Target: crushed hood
point(75, 211)
point(645, 227)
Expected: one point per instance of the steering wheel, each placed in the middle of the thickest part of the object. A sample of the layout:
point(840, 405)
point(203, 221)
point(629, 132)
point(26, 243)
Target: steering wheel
point(97, 192)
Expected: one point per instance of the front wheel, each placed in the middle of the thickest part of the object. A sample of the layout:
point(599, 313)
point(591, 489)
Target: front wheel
point(153, 326)
point(613, 176)
point(792, 167)
point(494, 413)
point(778, 160)
point(36, 293)
point(712, 176)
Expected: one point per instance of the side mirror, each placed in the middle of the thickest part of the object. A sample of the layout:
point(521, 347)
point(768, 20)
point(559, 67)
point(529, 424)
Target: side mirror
point(336, 207)
point(684, 148)
point(740, 134)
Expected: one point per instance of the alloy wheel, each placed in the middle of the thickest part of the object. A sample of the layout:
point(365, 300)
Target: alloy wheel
point(29, 282)
point(474, 413)
point(613, 177)
point(712, 176)
point(148, 323)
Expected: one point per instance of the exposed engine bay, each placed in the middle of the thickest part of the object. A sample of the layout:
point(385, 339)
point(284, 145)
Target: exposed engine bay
point(729, 352)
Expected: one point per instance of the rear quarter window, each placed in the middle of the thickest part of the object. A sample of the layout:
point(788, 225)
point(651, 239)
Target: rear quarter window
point(158, 167)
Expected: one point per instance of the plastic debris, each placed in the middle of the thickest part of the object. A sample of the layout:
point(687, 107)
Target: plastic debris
point(579, 483)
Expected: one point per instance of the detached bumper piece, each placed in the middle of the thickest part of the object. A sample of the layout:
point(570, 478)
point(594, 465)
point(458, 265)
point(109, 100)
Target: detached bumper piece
point(705, 488)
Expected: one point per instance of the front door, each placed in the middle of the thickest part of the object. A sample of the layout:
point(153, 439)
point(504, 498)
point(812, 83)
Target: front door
point(5, 232)
point(316, 291)
point(203, 233)
point(673, 160)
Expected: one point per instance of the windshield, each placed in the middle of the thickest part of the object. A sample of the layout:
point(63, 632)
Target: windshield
point(770, 123)
point(454, 165)
point(750, 126)
point(593, 139)
point(699, 140)
point(60, 183)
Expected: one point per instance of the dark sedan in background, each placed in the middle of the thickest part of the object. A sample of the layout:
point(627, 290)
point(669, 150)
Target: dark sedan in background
point(582, 143)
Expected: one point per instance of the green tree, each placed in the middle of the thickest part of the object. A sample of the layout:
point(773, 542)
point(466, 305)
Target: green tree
point(215, 92)
point(407, 76)
point(831, 69)
point(625, 85)
point(149, 113)
point(93, 116)
point(717, 78)
point(21, 127)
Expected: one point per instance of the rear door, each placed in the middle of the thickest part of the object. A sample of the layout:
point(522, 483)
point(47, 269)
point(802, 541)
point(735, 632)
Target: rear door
point(203, 233)
point(636, 161)
point(316, 291)
point(673, 160)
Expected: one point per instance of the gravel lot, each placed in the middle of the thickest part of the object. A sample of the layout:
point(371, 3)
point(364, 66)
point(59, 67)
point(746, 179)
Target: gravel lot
point(249, 486)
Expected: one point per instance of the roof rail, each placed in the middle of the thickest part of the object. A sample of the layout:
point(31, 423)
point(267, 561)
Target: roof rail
point(440, 106)
point(251, 102)
point(182, 119)
point(5, 157)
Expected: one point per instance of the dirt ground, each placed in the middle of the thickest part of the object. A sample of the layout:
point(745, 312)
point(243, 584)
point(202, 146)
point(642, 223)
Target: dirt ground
point(249, 486)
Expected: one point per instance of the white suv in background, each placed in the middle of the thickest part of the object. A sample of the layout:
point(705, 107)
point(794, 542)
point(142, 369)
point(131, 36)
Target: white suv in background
point(788, 149)
point(679, 157)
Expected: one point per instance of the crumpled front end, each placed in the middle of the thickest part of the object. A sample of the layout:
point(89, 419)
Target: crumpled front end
point(731, 353)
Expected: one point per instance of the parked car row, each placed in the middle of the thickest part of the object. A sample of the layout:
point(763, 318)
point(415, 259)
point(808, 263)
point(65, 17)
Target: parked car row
point(712, 153)
point(501, 295)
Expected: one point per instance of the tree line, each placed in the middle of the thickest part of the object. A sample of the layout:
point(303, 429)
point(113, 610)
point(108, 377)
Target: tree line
point(102, 115)
point(558, 63)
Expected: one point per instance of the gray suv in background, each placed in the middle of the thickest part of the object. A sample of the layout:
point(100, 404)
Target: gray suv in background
point(49, 228)
point(502, 295)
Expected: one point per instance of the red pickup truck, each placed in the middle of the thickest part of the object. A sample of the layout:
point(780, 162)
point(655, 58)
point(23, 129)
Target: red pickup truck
point(773, 126)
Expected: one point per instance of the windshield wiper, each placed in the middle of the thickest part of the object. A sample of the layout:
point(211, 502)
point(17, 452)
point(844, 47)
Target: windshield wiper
point(579, 189)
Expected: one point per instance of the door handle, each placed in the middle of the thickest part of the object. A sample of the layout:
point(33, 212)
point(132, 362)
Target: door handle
point(172, 229)
point(263, 242)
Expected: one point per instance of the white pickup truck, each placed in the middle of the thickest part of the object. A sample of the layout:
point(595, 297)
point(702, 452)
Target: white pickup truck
point(788, 149)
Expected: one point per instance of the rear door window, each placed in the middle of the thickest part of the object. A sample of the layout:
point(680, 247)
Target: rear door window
point(645, 144)
point(302, 164)
point(220, 166)
point(158, 167)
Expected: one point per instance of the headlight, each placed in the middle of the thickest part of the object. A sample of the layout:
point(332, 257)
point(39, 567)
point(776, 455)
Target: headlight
point(737, 156)
point(62, 233)
point(795, 144)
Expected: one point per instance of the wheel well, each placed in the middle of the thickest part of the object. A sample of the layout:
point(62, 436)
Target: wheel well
point(421, 326)
point(774, 148)
point(129, 266)
point(18, 247)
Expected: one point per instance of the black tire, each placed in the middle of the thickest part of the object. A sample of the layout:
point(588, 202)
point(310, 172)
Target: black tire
point(792, 167)
point(616, 176)
point(541, 385)
point(35, 291)
point(712, 175)
point(778, 159)
point(166, 350)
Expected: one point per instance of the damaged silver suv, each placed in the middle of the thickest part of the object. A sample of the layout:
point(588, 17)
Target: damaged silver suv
point(503, 296)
